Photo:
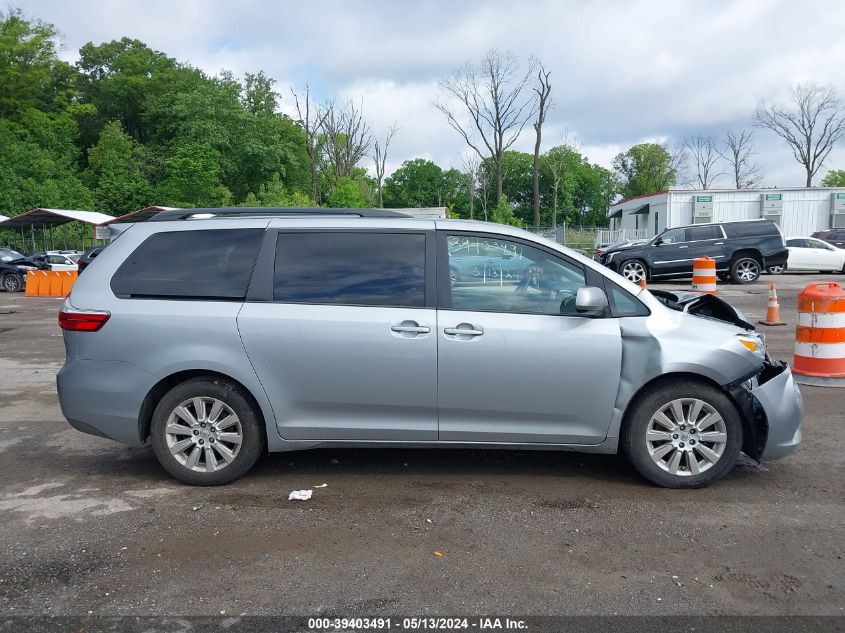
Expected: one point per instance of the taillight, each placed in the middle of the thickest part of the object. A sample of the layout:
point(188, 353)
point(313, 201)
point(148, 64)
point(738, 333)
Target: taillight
point(79, 262)
point(74, 320)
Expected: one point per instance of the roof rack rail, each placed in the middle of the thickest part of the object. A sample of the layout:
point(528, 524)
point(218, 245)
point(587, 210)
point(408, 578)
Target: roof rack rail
point(187, 214)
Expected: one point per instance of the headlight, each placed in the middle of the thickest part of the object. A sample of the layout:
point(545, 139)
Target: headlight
point(609, 257)
point(27, 268)
point(754, 343)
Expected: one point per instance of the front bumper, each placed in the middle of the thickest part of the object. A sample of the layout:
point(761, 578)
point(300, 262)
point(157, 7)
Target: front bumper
point(783, 406)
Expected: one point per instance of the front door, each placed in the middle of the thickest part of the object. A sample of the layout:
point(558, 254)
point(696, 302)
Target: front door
point(346, 345)
point(671, 253)
point(515, 361)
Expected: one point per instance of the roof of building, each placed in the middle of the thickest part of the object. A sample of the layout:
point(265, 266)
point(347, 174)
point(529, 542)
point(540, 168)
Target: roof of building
point(141, 215)
point(53, 217)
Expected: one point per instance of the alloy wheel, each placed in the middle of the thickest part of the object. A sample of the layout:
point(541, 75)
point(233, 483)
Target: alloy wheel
point(633, 271)
point(11, 283)
point(686, 437)
point(204, 434)
point(747, 270)
point(776, 270)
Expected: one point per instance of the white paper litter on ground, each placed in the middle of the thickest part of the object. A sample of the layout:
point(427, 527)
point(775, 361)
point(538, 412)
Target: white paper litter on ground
point(300, 495)
point(321, 486)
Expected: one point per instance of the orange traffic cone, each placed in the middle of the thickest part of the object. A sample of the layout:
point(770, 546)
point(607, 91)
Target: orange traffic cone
point(773, 311)
point(642, 282)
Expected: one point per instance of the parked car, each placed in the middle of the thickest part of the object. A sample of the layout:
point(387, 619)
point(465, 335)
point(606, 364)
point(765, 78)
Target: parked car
point(247, 331)
point(88, 256)
point(742, 250)
point(13, 269)
point(55, 261)
point(834, 237)
point(808, 253)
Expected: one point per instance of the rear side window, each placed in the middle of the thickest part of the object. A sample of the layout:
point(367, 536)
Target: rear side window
point(698, 233)
point(355, 268)
point(212, 264)
point(750, 229)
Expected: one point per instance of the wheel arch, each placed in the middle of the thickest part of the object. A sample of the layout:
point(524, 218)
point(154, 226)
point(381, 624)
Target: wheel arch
point(748, 252)
point(752, 427)
point(157, 392)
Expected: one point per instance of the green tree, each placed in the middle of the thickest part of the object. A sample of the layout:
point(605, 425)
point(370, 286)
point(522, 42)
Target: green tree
point(417, 183)
point(503, 214)
point(347, 192)
point(645, 168)
point(834, 178)
point(273, 193)
point(114, 172)
point(193, 179)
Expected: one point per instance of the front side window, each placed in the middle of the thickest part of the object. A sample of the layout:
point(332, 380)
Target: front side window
point(202, 264)
point(674, 236)
point(498, 275)
point(796, 243)
point(354, 268)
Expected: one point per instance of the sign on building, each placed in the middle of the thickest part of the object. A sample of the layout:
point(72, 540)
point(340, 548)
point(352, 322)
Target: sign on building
point(837, 210)
point(772, 207)
point(702, 210)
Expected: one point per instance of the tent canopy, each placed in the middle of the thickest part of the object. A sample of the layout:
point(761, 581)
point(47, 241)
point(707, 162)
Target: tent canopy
point(141, 215)
point(38, 218)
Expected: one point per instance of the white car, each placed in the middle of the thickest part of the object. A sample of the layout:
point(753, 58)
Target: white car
point(61, 262)
point(808, 253)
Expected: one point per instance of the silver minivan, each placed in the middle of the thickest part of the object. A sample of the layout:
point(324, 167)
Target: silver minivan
point(217, 334)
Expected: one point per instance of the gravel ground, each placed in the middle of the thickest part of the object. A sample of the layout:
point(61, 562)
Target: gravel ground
point(90, 526)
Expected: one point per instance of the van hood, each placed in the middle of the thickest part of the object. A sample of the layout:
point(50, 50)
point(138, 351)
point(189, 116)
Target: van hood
point(703, 305)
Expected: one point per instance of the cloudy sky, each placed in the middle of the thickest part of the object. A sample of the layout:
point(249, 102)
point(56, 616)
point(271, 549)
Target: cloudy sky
point(622, 72)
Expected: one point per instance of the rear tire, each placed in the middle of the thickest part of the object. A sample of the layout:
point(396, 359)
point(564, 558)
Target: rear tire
point(745, 270)
point(775, 270)
point(206, 432)
point(709, 432)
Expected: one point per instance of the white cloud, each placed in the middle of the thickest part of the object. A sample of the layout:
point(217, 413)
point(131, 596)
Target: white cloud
point(621, 71)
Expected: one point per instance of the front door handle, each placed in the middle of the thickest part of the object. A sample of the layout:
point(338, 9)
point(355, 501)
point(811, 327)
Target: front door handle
point(464, 329)
point(410, 328)
point(683, 247)
point(719, 243)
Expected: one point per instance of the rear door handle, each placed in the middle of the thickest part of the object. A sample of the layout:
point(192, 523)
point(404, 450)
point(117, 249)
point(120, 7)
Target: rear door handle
point(683, 247)
point(464, 329)
point(719, 243)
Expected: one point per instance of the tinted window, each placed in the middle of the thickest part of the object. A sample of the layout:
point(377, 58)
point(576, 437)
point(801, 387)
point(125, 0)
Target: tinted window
point(367, 269)
point(213, 264)
point(490, 274)
point(697, 233)
point(750, 229)
point(797, 243)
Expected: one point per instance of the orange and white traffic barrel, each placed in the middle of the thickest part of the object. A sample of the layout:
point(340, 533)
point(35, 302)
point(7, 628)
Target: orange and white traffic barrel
point(704, 275)
point(820, 335)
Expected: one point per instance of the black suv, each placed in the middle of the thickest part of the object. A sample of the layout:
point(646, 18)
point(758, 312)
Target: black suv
point(742, 250)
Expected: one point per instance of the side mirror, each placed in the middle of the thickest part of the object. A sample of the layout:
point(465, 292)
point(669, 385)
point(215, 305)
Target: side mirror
point(591, 302)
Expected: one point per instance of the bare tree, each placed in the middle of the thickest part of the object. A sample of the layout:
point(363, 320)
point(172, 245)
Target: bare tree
point(311, 118)
point(811, 124)
point(544, 102)
point(678, 165)
point(494, 98)
point(737, 152)
point(471, 164)
point(556, 159)
point(705, 155)
point(346, 138)
point(484, 178)
point(380, 158)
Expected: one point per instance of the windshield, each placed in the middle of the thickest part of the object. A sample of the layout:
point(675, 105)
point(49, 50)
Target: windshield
point(8, 255)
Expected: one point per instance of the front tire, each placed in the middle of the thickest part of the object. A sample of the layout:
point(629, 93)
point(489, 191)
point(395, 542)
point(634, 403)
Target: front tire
point(12, 283)
point(206, 432)
point(633, 270)
point(684, 434)
point(745, 270)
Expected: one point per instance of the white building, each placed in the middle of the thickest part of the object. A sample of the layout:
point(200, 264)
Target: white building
point(798, 211)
